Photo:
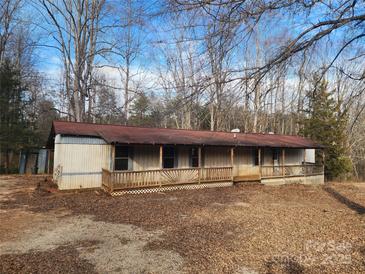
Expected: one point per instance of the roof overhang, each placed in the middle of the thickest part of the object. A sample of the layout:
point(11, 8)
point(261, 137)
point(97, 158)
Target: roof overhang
point(119, 134)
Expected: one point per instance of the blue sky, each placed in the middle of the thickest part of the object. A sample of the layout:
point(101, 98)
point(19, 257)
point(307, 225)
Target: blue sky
point(157, 28)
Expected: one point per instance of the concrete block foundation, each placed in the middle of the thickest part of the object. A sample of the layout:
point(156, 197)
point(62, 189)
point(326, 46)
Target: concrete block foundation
point(306, 180)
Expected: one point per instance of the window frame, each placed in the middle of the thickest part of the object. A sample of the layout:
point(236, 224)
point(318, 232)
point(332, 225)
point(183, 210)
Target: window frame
point(258, 161)
point(276, 152)
point(128, 157)
point(173, 157)
point(192, 157)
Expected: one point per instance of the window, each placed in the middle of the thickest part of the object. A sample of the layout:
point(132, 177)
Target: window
point(256, 157)
point(169, 157)
point(194, 157)
point(275, 155)
point(121, 161)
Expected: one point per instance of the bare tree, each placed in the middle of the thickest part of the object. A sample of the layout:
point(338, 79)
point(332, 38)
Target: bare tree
point(181, 73)
point(128, 46)
point(9, 12)
point(219, 42)
point(75, 27)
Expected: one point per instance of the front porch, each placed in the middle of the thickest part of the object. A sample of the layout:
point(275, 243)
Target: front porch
point(130, 180)
point(120, 180)
point(145, 167)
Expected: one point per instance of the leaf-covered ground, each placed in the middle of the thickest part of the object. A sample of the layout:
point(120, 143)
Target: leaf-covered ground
point(241, 229)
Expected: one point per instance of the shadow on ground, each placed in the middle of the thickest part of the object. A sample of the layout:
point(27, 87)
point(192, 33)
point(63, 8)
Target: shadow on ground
point(360, 209)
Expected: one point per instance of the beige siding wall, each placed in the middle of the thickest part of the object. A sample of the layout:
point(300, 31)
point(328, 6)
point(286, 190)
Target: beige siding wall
point(244, 162)
point(81, 163)
point(146, 157)
point(243, 156)
point(184, 156)
point(292, 156)
point(267, 156)
point(217, 156)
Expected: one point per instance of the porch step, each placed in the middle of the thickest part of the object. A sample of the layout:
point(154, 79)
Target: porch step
point(247, 178)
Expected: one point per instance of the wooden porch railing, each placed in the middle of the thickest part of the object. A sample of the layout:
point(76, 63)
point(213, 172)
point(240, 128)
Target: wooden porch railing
point(290, 171)
point(216, 174)
point(114, 180)
point(163, 177)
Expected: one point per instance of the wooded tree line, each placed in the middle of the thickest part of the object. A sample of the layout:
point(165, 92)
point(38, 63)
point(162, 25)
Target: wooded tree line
point(288, 67)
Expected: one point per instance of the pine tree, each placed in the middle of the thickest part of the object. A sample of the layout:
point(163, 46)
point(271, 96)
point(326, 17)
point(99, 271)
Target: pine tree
point(326, 124)
point(13, 128)
point(141, 111)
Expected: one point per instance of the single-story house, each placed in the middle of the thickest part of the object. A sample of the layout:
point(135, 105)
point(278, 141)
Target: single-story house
point(120, 158)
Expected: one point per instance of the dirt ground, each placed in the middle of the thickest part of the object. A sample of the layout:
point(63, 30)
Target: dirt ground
point(240, 229)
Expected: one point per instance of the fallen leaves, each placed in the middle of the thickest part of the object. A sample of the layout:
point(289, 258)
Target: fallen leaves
point(255, 227)
point(64, 259)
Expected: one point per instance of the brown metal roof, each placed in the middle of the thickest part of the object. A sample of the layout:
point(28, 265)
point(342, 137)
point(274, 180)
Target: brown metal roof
point(144, 135)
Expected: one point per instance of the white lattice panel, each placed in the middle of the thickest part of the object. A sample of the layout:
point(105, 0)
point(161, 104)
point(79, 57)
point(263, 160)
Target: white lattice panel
point(170, 188)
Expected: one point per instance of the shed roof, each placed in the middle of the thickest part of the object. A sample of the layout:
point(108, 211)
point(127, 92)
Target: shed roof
point(163, 136)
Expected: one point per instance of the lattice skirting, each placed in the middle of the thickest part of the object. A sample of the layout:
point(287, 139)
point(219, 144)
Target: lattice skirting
point(170, 188)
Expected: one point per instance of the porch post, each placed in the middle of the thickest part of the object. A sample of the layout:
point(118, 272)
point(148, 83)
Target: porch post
point(283, 161)
point(304, 161)
point(160, 162)
point(112, 167)
point(259, 159)
point(199, 163)
point(232, 156)
point(112, 157)
point(323, 159)
point(161, 149)
point(232, 161)
point(305, 155)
